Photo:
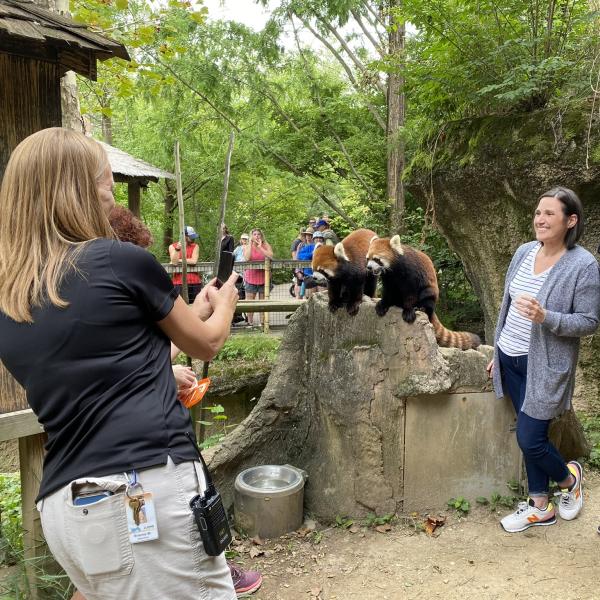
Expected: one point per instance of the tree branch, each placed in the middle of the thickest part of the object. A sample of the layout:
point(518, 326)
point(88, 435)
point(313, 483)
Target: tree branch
point(353, 56)
point(369, 35)
point(348, 70)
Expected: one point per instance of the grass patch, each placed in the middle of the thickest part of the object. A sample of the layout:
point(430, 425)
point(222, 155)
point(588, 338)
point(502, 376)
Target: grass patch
point(245, 354)
point(11, 541)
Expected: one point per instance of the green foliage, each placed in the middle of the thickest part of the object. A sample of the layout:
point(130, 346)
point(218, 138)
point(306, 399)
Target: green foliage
point(343, 522)
point(11, 542)
point(372, 520)
point(460, 504)
point(591, 426)
point(218, 425)
point(498, 501)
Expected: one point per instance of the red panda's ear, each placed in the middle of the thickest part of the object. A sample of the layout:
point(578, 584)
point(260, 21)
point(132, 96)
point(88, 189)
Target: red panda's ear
point(340, 252)
point(396, 245)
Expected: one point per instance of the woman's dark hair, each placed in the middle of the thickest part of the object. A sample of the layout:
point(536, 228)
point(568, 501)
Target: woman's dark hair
point(571, 205)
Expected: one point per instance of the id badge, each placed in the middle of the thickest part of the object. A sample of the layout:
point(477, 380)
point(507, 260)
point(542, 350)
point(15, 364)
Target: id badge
point(141, 518)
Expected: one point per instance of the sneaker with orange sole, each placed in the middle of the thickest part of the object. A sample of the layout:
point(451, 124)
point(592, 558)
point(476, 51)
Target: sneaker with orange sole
point(571, 502)
point(528, 515)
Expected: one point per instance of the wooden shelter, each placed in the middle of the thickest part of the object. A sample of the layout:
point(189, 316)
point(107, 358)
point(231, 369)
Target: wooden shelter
point(135, 173)
point(37, 47)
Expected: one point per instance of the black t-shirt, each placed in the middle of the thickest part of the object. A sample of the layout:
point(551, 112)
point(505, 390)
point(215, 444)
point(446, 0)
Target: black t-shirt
point(98, 373)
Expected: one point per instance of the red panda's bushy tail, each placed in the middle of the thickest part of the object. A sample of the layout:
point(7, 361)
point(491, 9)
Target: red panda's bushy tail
point(453, 339)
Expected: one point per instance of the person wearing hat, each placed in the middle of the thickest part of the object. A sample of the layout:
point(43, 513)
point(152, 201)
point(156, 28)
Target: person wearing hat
point(194, 280)
point(238, 251)
point(329, 236)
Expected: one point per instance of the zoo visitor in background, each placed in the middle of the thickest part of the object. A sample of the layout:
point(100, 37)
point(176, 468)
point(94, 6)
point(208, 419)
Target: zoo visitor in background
point(192, 251)
point(254, 279)
point(85, 324)
point(551, 300)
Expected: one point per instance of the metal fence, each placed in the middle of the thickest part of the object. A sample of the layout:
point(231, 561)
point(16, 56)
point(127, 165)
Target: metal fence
point(278, 290)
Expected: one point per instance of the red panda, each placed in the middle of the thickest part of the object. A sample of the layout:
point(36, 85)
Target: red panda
point(409, 281)
point(344, 266)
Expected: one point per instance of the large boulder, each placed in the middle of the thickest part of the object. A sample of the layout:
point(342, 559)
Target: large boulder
point(379, 416)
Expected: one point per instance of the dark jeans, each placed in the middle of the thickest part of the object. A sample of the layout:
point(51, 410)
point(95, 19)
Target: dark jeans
point(542, 460)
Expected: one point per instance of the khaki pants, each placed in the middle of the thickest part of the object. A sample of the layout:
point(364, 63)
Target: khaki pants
point(92, 545)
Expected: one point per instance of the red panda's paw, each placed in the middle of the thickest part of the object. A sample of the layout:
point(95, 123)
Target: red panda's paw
point(381, 308)
point(353, 309)
point(333, 306)
point(409, 315)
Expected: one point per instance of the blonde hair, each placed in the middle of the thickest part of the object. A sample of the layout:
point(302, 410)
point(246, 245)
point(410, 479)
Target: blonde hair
point(49, 209)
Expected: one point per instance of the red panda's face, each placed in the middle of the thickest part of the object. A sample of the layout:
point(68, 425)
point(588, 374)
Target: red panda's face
point(382, 253)
point(324, 263)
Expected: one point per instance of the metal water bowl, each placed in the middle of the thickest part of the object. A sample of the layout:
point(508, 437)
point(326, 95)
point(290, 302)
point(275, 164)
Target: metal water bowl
point(268, 500)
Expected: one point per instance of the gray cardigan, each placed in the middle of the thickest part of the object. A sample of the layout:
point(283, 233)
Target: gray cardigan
point(571, 297)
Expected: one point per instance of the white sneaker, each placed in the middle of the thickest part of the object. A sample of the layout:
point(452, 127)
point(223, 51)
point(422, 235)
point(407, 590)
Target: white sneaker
point(571, 502)
point(528, 515)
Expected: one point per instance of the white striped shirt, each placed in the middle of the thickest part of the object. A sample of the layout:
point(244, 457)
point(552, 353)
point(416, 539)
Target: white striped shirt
point(515, 335)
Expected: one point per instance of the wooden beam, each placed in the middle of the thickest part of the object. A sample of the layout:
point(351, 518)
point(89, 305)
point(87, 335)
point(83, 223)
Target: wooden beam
point(18, 424)
point(246, 306)
point(134, 197)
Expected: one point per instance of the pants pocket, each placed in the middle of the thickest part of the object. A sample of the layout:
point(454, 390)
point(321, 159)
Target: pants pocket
point(99, 538)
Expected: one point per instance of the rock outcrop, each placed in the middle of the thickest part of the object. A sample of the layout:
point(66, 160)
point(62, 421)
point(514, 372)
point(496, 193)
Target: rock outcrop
point(482, 182)
point(370, 407)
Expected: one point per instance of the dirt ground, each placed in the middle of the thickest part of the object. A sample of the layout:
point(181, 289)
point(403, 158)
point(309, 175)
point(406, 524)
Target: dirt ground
point(471, 558)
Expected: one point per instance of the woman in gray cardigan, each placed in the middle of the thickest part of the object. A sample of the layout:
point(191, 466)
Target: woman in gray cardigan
point(551, 300)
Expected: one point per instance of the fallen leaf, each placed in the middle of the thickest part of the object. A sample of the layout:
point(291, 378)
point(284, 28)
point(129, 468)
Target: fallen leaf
point(432, 523)
point(303, 531)
point(257, 540)
point(254, 552)
point(354, 529)
point(383, 528)
point(315, 592)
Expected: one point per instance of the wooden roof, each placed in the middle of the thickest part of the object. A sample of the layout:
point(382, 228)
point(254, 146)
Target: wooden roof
point(127, 168)
point(28, 30)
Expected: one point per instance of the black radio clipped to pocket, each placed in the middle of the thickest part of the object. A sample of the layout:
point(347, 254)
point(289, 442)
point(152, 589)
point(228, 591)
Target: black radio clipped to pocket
point(209, 514)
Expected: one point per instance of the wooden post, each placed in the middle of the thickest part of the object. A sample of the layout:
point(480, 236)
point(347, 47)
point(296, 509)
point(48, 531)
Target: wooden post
point(134, 193)
point(182, 240)
point(38, 559)
point(267, 292)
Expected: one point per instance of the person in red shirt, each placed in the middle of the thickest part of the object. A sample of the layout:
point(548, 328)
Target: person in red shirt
point(192, 252)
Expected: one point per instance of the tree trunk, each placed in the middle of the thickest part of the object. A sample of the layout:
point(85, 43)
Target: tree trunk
point(107, 135)
point(395, 119)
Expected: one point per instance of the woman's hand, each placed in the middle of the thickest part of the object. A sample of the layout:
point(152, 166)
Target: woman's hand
point(529, 308)
point(184, 377)
point(490, 368)
point(202, 307)
point(226, 297)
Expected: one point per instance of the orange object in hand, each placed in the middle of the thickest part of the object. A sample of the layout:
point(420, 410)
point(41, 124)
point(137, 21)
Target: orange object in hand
point(195, 394)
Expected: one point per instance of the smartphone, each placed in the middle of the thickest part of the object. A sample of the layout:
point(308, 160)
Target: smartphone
point(91, 498)
point(218, 283)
